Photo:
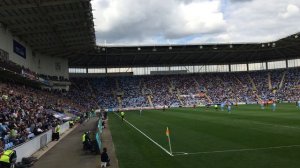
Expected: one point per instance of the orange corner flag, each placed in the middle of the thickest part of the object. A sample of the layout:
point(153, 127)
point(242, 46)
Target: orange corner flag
point(169, 140)
point(167, 132)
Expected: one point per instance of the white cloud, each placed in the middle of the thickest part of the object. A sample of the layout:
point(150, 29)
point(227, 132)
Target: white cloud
point(291, 10)
point(261, 21)
point(189, 21)
point(198, 17)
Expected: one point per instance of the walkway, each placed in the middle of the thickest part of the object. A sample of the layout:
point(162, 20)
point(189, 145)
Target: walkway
point(68, 152)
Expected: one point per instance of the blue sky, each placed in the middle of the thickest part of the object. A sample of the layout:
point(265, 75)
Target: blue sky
point(156, 22)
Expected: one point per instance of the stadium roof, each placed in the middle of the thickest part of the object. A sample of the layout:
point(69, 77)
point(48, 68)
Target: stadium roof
point(286, 48)
point(65, 28)
point(52, 27)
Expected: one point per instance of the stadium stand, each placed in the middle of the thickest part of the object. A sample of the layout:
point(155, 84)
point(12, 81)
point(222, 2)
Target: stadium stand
point(192, 89)
point(43, 43)
point(27, 112)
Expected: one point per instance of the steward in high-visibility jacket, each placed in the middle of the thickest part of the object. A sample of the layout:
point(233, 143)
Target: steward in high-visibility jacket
point(83, 137)
point(86, 140)
point(8, 158)
point(55, 135)
point(71, 123)
point(57, 129)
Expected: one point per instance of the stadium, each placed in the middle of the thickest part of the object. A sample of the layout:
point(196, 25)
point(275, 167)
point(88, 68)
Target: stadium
point(67, 99)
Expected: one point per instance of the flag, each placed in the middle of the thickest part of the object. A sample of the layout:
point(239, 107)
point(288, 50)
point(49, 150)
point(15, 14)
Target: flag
point(169, 140)
point(167, 132)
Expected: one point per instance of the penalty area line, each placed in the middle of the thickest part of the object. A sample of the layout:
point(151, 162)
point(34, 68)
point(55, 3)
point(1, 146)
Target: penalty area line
point(145, 135)
point(234, 150)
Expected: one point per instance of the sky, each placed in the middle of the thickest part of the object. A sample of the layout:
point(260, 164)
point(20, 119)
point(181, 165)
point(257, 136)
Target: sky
point(164, 22)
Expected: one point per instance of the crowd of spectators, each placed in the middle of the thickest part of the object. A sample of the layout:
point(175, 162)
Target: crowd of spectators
point(195, 89)
point(132, 92)
point(290, 90)
point(163, 92)
point(83, 94)
point(99, 93)
point(26, 112)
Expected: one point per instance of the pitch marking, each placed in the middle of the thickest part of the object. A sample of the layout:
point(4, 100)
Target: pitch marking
point(234, 150)
point(146, 136)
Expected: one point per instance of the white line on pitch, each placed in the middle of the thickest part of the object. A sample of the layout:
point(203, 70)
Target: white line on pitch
point(236, 150)
point(146, 136)
point(275, 125)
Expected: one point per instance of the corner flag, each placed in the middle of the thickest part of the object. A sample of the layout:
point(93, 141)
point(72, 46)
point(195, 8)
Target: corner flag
point(169, 140)
point(167, 132)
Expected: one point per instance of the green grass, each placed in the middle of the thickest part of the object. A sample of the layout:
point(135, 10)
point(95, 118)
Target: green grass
point(202, 130)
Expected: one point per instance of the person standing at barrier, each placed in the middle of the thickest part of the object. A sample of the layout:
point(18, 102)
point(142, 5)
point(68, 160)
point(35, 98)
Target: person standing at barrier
point(8, 158)
point(57, 131)
point(71, 123)
point(122, 115)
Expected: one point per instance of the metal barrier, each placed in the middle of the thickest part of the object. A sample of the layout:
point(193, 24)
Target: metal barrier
point(32, 146)
point(98, 134)
point(64, 127)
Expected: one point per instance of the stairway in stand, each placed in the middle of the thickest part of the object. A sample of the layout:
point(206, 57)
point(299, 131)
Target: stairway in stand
point(198, 90)
point(117, 92)
point(252, 82)
point(270, 81)
point(282, 80)
point(119, 101)
point(178, 97)
point(150, 100)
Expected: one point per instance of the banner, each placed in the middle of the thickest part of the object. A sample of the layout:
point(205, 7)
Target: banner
point(19, 49)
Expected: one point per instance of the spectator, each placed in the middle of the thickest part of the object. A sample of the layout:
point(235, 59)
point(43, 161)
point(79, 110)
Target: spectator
point(104, 158)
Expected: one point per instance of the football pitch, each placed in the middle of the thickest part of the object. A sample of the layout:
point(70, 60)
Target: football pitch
point(249, 137)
